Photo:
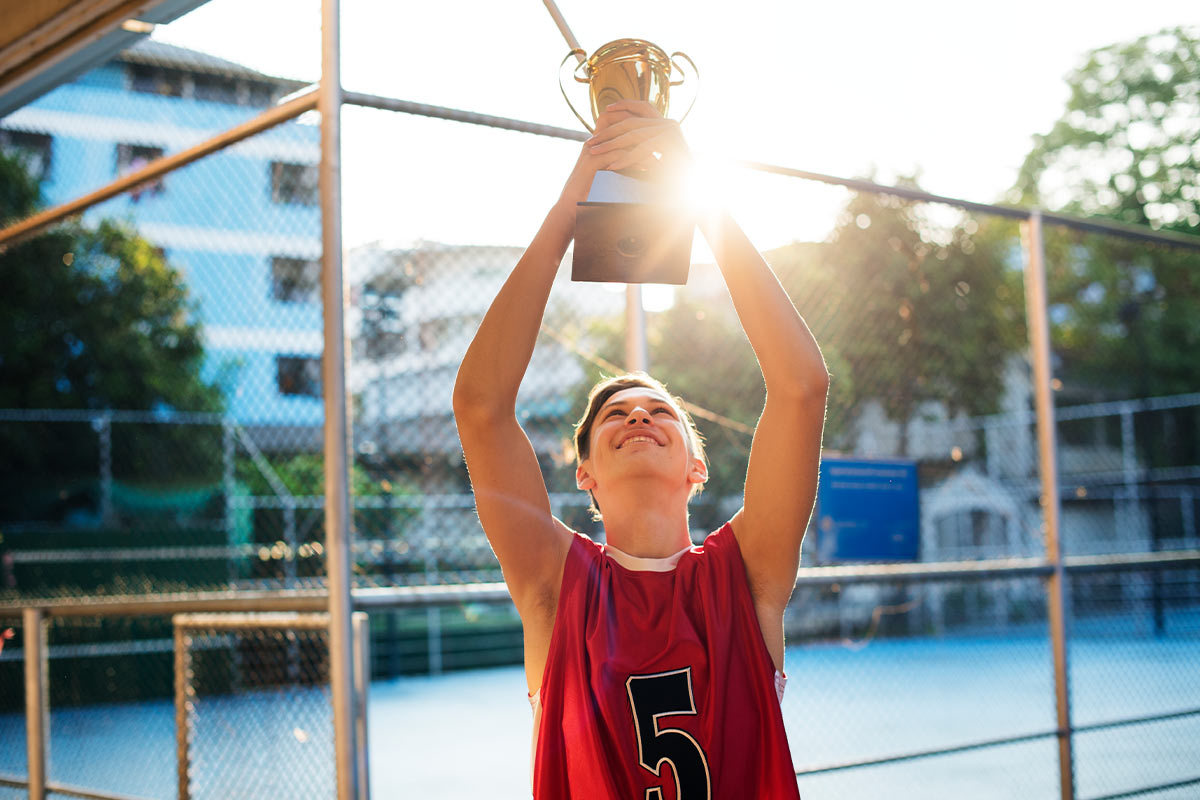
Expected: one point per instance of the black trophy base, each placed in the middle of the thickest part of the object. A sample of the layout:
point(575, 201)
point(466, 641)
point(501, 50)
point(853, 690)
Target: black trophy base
point(632, 243)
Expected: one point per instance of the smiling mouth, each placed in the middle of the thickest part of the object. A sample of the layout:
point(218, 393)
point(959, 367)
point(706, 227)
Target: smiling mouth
point(636, 439)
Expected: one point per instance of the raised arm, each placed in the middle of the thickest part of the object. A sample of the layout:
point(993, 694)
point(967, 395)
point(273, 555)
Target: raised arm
point(781, 480)
point(510, 494)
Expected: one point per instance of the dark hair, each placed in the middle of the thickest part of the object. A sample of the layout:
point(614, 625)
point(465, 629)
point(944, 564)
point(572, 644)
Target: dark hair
point(605, 389)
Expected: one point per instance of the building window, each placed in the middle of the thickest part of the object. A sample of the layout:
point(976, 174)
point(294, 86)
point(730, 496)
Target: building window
point(295, 280)
point(132, 157)
point(156, 80)
point(432, 333)
point(32, 150)
point(215, 89)
point(260, 95)
point(298, 375)
point(383, 327)
point(294, 183)
point(376, 344)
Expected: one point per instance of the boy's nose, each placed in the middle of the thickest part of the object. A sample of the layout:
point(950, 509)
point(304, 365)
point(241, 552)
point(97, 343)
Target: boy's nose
point(638, 415)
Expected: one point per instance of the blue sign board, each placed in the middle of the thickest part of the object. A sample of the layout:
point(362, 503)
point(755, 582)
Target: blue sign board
point(867, 510)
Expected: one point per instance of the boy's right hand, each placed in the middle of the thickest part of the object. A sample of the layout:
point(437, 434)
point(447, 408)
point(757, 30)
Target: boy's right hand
point(579, 183)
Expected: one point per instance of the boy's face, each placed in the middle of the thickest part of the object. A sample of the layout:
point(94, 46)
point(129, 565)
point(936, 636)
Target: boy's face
point(640, 432)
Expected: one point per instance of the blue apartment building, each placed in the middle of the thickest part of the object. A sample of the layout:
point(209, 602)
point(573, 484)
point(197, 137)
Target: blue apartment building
point(242, 225)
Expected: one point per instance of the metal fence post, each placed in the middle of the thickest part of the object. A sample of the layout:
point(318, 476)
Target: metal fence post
point(103, 426)
point(637, 353)
point(183, 695)
point(1129, 508)
point(291, 548)
point(229, 485)
point(1039, 344)
point(1187, 511)
point(337, 425)
point(291, 543)
point(362, 684)
point(433, 618)
point(35, 700)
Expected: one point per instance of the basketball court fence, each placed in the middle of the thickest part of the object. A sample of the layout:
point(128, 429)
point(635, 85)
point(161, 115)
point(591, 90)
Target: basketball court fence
point(322, 475)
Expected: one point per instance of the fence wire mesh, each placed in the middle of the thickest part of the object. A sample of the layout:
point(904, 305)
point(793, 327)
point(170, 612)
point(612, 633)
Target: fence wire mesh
point(12, 697)
point(109, 695)
point(160, 408)
point(161, 427)
point(1128, 455)
point(161, 413)
point(259, 716)
point(1134, 646)
point(919, 680)
point(921, 316)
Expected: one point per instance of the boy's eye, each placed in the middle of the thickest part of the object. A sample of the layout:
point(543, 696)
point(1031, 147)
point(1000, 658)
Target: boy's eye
point(613, 412)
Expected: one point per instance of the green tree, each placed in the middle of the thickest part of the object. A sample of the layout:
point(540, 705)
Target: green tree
point(1125, 146)
point(913, 311)
point(905, 312)
point(698, 349)
point(1126, 316)
point(93, 318)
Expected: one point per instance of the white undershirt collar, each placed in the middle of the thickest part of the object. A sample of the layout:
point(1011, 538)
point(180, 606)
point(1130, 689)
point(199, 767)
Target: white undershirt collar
point(640, 564)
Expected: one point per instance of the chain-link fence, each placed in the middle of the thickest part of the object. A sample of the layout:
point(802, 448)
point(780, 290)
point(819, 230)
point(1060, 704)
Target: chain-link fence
point(12, 722)
point(162, 414)
point(108, 693)
point(253, 706)
point(224, 518)
point(161, 437)
point(162, 411)
point(1134, 644)
point(953, 681)
point(906, 692)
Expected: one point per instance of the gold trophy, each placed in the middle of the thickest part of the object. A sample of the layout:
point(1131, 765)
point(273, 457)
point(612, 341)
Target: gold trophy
point(630, 229)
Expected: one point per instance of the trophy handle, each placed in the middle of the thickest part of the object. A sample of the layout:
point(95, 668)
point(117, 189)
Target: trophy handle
point(695, 76)
point(561, 88)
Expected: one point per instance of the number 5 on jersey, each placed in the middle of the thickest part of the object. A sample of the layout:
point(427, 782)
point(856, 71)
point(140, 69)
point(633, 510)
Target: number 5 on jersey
point(667, 694)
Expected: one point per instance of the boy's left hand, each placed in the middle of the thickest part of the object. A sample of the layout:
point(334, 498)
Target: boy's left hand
point(649, 141)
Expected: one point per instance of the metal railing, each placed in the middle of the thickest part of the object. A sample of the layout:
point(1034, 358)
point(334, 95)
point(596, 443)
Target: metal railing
point(1006, 569)
point(306, 609)
point(188, 625)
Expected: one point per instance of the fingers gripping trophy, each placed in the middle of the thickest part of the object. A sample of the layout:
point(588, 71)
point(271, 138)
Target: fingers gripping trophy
point(634, 227)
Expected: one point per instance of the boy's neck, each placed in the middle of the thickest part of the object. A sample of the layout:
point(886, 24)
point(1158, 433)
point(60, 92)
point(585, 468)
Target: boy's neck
point(647, 530)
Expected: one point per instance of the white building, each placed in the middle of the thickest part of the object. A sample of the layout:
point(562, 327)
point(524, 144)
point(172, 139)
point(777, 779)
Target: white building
point(414, 312)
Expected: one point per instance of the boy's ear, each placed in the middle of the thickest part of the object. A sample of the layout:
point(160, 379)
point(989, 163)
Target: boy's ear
point(583, 477)
point(698, 473)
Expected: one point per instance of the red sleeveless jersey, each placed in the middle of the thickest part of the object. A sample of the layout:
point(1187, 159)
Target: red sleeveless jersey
point(658, 685)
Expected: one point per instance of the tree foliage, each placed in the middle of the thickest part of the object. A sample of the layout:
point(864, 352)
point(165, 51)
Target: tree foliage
point(94, 318)
point(1126, 316)
point(698, 349)
point(911, 311)
point(1126, 144)
point(906, 312)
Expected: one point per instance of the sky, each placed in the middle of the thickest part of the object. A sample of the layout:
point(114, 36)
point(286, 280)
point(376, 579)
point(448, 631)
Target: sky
point(949, 91)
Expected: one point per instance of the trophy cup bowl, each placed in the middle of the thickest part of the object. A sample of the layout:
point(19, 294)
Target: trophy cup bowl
point(627, 69)
point(629, 230)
